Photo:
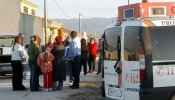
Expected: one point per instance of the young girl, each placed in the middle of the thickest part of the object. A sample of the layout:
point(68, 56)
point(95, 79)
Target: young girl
point(45, 62)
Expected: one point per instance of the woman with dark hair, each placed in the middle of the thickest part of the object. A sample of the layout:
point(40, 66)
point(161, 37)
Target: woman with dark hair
point(58, 73)
point(92, 54)
point(84, 55)
point(17, 56)
point(33, 52)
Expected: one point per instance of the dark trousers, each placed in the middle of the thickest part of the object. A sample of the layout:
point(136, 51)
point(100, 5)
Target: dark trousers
point(84, 64)
point(91, 62)
point(17, 75)
point(34, 78)
point(76, 70)
point(100, 62)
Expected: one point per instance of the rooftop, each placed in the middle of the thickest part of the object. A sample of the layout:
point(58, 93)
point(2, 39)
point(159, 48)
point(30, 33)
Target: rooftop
point(29, 3)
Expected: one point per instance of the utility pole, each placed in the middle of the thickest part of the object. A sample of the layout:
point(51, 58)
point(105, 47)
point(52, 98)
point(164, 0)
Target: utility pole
point(45, 20)
point(128, 2)
point(80, 23)
point(85, 26)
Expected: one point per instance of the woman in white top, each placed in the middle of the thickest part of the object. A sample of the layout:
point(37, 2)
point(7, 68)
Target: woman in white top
point(17, 55)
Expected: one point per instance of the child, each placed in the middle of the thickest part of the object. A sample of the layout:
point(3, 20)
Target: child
point(45, 62)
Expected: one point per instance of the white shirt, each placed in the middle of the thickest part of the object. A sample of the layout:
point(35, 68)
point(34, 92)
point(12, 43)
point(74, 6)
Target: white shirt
point(75, 47)
point(17, 52)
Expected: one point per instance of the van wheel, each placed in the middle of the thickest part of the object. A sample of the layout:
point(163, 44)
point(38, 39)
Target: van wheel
point(172, 97)
point(103, 89)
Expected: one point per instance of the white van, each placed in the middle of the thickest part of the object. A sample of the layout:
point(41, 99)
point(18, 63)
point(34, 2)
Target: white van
point(139, 60)
point(6, 41)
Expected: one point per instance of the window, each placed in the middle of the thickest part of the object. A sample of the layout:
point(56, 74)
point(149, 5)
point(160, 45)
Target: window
point(111, 35)
point(6, 42)
point(25, 9)
point(162, 43)
point(157, 11)
point(133, 47)
point(128, 13)
point(33, 12)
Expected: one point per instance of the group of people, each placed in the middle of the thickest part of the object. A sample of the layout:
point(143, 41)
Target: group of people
point(50, 61)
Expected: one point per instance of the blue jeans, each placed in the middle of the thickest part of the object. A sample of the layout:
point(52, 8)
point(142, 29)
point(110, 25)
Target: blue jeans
point(34, 78)
point(58, 85)
point(70, 70)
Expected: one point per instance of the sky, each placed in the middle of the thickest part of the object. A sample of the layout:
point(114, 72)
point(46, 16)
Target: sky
point(67, 9)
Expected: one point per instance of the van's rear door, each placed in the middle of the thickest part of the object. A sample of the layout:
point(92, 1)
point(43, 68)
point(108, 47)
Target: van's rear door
point(162, 40)
point(131, 79)
point(164, 75)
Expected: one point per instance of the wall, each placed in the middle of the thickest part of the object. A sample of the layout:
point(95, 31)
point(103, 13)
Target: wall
point(39, 28)
point(31, 25)
point(9, 16)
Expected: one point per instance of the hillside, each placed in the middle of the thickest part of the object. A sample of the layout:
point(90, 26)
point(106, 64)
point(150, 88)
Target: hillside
point(91, 25)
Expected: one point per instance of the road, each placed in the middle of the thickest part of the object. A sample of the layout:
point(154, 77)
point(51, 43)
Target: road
point(89, 90)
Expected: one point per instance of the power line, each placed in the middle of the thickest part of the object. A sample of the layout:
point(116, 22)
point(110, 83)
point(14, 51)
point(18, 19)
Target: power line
point(61, 9)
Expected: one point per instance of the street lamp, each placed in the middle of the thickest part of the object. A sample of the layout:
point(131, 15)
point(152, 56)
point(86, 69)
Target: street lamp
point(80, 23)
point(45, 20)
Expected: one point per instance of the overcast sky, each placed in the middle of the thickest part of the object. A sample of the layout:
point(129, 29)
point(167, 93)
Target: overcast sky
point(88, 8)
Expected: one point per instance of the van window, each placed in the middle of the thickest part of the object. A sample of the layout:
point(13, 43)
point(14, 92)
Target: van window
point(162, 43)
point(133, 47)
point(6, 42)
point(110, 43)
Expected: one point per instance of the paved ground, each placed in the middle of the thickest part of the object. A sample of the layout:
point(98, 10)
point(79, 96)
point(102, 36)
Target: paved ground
point(89, 90)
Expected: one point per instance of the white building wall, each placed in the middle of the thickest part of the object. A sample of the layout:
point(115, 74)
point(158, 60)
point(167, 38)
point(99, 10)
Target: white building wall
point(39, 28)
point(9, 16)
point(31, 25)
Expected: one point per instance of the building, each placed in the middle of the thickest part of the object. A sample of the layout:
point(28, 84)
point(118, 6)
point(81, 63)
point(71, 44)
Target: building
point(53, 27)
point(10, 16)
point(28, 7)
point(18, 16)
point(34, 24)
